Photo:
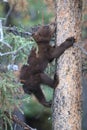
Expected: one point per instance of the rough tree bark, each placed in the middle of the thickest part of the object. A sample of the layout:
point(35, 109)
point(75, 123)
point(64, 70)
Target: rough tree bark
point(67, 96)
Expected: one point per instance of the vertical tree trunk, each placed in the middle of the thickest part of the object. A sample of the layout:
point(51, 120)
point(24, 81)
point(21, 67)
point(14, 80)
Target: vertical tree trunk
point(67, 96)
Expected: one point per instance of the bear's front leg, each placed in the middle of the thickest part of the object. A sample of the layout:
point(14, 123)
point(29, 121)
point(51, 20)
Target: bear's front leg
point(59, 50)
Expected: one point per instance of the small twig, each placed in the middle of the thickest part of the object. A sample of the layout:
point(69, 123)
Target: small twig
point(15, 119)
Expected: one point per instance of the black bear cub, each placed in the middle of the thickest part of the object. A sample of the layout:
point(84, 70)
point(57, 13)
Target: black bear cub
point(33, 75)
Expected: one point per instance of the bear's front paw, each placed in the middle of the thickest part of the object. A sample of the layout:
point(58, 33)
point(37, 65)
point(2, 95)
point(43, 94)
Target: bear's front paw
point(48, 104)
point(70, 39)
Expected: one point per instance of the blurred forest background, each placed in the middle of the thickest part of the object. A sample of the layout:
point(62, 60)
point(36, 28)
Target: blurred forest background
point(23, 16)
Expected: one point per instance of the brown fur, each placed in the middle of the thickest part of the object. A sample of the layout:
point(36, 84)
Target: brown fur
point(32, 75)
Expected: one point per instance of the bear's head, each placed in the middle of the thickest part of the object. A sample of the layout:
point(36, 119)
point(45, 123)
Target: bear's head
point(44, 33)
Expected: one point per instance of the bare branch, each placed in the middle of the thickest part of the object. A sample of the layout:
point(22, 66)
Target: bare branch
point(1, 31)
point(8, 14)
point(6, 53)
point(2, 37)
point(12, 52)
point(5, 43)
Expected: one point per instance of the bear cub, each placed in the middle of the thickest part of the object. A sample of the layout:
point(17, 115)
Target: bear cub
point(32, 75)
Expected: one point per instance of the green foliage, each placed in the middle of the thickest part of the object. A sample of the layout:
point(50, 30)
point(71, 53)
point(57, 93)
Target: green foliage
point(1, 9)
point(21, 46)
point(11, 97)
point(39, 12)
point(8, 88)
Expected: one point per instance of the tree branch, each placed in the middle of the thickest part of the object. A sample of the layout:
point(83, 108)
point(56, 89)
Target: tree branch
point(12, 52)
point(5, 43)
point(8, 14)
point(15, 31)
point(6, 53)
point(15, 119)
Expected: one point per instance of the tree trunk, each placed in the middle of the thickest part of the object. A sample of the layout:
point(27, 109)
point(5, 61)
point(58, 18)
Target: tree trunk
point(67, 95)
